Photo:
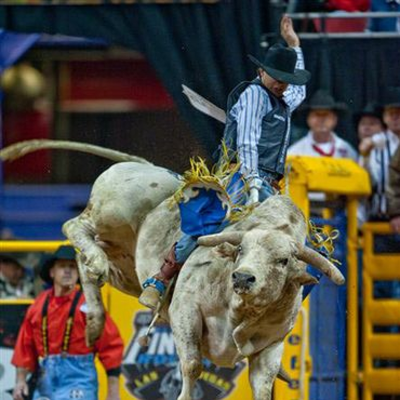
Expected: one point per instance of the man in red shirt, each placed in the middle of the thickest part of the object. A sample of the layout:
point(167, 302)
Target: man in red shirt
point(51, 340)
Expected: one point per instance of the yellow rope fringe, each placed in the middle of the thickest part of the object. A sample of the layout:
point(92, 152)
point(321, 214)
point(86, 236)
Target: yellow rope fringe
point(321, 239)
point(218, 179)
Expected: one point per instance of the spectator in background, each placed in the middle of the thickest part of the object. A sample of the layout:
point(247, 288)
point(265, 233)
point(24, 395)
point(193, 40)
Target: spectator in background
point(385, 24)
point(393, 191)
point(348, 5)
point(51, 340)
point(369, 121)
point(321, 140)
point(377, 152)
point(14, 283)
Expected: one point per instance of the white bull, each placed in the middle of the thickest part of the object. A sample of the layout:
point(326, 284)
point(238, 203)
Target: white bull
point(237, 295)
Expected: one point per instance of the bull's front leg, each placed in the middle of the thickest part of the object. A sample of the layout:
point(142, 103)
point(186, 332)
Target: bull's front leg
point(186, 324)
point(263, 369)
point(242, 341)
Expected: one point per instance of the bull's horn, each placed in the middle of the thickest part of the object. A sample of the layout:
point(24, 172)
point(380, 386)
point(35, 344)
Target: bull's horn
point(318, 261)
point(283, 375)
point(213, 240)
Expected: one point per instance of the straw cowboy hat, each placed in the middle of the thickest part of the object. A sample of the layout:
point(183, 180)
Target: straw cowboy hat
point(280, 63)
point(62, 253)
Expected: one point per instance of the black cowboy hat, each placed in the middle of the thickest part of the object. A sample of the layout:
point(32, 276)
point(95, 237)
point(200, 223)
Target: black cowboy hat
point(392, 97)
point(280, 63)
point(370, 110)
point(9, 259)
point(322, 100)
point(62, 253)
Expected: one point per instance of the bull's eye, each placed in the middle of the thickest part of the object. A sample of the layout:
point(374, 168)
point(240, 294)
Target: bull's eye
point(239, 252)
point(283, 261)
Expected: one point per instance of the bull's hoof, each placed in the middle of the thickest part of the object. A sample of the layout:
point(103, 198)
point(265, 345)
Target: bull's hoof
point(102, 280)
point(247, 350)
point(94, 328)
point(150, 297)
point(143, 341)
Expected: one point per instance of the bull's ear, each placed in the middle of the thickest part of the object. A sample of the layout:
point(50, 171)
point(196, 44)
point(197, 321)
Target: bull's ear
point(306, 279)
point(226, 250)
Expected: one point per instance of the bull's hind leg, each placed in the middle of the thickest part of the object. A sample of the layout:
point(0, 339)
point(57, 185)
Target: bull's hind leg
point(95, 317)
point(81, 233)
point(186, 325)
point(93, 271)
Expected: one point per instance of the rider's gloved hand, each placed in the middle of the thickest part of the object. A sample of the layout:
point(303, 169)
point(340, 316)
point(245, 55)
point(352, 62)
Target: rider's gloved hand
point(255, 184)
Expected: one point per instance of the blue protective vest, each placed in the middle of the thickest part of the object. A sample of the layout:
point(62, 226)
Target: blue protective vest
point(275, 136)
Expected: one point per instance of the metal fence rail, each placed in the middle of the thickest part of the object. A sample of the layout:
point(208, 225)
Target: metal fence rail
point(379, 312)
point(324, 17)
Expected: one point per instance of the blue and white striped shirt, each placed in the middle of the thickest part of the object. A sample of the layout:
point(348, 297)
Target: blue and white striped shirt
point(249, 111)
point(378, 168)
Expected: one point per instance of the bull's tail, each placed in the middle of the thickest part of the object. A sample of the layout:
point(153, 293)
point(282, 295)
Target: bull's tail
point(20, 149)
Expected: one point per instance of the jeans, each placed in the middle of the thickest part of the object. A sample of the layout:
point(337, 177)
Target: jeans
point(65, 378)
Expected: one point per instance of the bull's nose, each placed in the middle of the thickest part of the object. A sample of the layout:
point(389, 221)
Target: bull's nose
point(240, 279)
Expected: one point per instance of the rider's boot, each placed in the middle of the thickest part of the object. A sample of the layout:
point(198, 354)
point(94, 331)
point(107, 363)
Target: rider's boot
point(154, 287)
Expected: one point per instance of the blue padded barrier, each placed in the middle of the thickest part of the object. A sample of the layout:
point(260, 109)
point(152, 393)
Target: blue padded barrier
point(37, 212)
point(328, 304)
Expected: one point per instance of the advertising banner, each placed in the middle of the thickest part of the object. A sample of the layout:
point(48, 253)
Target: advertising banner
point(153, 373)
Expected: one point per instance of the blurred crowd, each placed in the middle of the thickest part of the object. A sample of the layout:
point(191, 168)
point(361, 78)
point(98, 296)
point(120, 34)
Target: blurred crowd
point(369, 24)
point(15, 281)
point(378, 131)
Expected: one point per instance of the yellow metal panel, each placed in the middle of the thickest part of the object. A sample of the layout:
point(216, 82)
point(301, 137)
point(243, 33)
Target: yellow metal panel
point(385, 346)
point(16, 301)
point(377, 227)
point(330, 175)
point(379, 312)
point(296, 360)
point(384, 312)
point(22, 246)
point(367, 393)
point(352, 300)
point(366, 324)
point(382, 267)
point(384, 381)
